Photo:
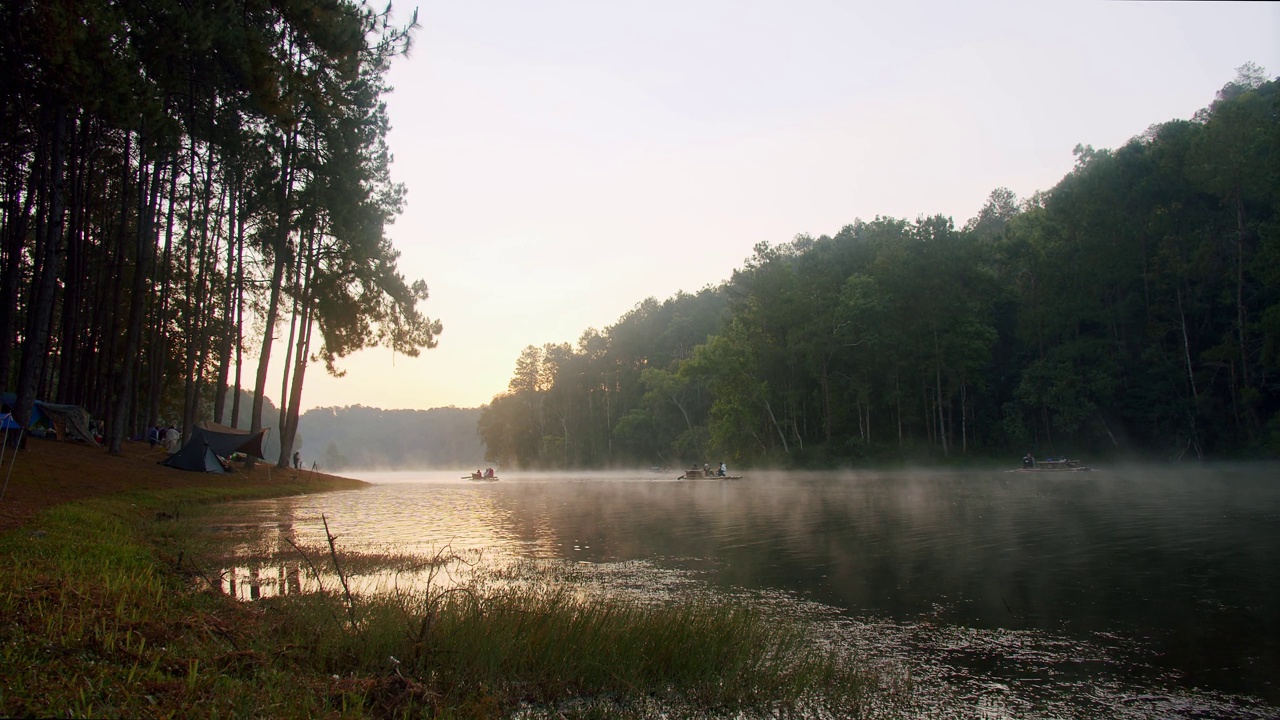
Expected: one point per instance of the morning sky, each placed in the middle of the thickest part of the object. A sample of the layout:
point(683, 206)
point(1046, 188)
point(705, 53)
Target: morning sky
point(565, 160)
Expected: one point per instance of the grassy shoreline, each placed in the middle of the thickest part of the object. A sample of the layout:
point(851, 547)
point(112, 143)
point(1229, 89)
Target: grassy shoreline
point(98, 621)
point(109, 612)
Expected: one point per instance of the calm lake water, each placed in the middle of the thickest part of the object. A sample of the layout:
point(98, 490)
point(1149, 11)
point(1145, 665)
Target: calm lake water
point(1131, 592)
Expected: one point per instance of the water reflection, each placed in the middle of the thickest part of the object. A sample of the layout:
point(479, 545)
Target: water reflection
point(1127, 593)
point(253, 582)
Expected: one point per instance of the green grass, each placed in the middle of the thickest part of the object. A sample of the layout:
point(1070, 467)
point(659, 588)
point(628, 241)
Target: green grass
point(109, 612)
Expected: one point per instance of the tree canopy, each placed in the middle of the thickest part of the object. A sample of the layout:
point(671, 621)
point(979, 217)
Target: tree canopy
point(1134, 307)
point(173, 174)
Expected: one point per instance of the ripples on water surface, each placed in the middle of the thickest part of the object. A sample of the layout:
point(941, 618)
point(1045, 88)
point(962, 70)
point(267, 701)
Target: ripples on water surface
point(1128, 593)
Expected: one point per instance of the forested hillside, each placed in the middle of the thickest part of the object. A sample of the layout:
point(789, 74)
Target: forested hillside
point(182, 184)
point(1132, 308)
point(365, 438)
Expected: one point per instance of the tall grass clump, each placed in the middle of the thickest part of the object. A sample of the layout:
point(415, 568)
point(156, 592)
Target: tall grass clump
point(542, 645)
point(547, 645)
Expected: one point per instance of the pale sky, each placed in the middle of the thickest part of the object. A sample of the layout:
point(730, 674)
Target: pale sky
point(565, 160)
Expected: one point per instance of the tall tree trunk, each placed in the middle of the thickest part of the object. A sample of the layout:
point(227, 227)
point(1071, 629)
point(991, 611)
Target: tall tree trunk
point(268, 334)
point(282, 260)
point(291, 408)
point(683, 412)
point(17, 219)
point(897, 392)
point(119, 253)
point(781, 435)
point(1186, 348)
point(937, 369)
point(1242, 318)
point(1191, 376)
point(144, 249)
point(826, 402)
point(282, 422)
point(41, 309)
point(228, 297)
point(159, 344)
point(235, 399)
point(72, 318)
point(290, 434)
point(197, 296)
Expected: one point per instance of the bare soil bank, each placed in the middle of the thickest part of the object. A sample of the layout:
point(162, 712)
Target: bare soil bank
point(49, 472)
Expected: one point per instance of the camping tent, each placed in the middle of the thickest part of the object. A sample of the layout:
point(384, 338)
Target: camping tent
point(209, 442)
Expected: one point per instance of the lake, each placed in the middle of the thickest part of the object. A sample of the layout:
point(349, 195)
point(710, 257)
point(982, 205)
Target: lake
point(1130, 592)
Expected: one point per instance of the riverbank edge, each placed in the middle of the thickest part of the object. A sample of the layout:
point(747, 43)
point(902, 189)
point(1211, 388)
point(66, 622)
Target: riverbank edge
point(107, 613)
point(102, 620)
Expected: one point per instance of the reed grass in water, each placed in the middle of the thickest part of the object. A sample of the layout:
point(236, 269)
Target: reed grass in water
point(111, 612)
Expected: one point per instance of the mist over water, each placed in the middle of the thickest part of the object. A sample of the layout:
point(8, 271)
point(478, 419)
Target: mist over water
point(1130, 592)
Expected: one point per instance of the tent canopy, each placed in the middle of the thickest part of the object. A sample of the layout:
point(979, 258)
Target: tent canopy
point(226, 440)
point(209, 442)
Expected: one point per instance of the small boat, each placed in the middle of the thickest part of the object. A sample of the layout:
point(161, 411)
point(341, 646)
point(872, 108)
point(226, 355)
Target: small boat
point(696, 474)
point(1062, 465)
point(479, 477)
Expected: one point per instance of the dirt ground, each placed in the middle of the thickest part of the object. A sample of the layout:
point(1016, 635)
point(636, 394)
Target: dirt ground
point(48, 472)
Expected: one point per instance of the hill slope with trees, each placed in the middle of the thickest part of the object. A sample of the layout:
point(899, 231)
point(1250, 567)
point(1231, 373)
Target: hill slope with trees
point(364, 438)
point(1132, 308)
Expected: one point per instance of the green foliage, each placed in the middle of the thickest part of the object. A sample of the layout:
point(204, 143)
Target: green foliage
point(1131, 308)
point(178, 172)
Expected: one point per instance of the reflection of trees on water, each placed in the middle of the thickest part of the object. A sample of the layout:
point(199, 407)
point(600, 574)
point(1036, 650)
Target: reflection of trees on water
point(278, 576)
point(254, 582)
point(1182, 561)
point(998, 549)
point(989, 550)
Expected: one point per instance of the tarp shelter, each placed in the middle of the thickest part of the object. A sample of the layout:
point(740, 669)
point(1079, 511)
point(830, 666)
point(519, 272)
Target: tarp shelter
point(209, 442)
point(64, 421)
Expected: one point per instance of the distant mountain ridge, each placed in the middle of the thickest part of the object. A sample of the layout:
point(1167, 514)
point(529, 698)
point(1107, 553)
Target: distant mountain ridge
point(366, 438)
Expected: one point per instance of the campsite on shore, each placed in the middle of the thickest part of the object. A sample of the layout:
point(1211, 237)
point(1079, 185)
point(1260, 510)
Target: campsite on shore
point(49, 473)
